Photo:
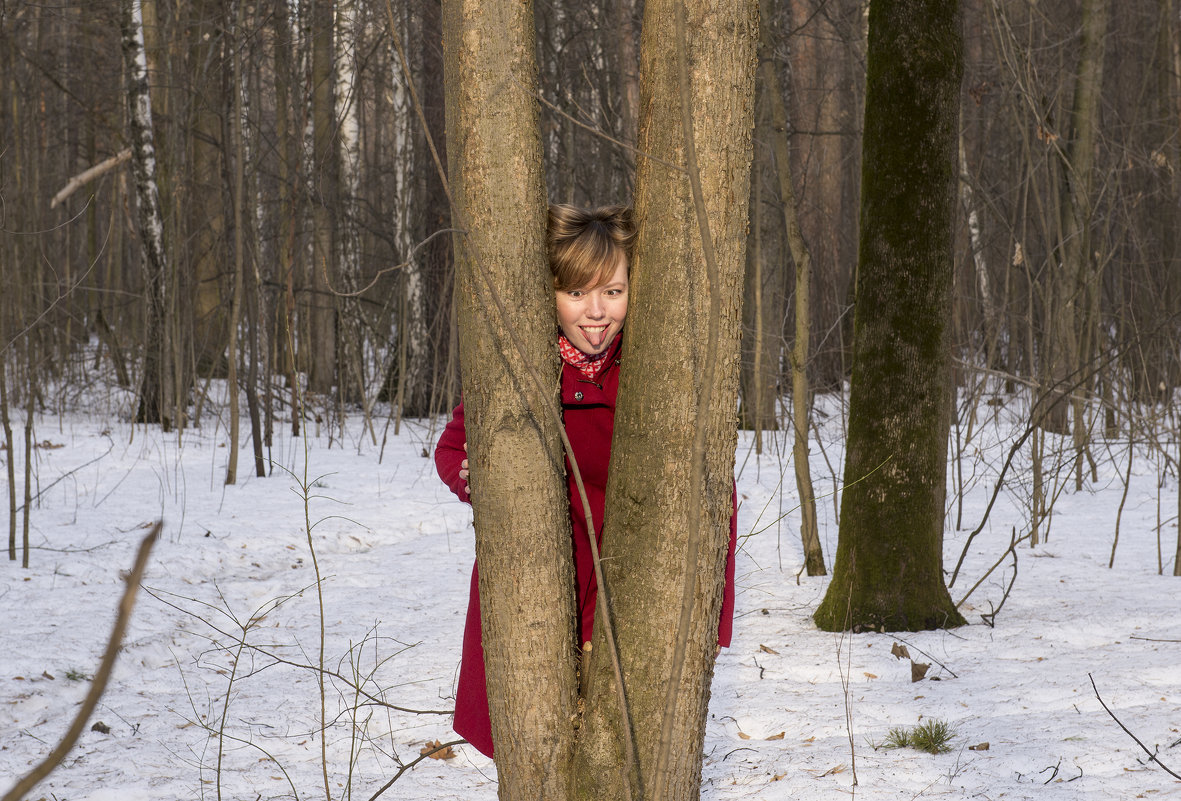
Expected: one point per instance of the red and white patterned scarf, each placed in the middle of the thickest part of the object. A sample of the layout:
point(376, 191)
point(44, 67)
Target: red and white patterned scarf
point(587, 365)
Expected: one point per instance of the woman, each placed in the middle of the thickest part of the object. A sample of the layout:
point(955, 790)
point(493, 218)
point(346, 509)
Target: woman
point(589, 254)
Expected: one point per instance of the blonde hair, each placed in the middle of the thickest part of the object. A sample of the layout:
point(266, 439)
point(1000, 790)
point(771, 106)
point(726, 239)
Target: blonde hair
point(585, 245)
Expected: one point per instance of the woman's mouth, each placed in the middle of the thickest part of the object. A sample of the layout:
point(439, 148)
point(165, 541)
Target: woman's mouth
point(595, 334)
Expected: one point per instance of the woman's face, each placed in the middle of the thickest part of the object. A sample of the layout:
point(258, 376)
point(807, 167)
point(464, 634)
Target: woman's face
point(591, 317)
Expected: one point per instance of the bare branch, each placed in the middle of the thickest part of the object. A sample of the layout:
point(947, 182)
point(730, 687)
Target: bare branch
point(1151, 756)
point(99, 684)
point(88, 175)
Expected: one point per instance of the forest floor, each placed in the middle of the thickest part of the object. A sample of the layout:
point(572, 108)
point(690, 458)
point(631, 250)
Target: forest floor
point(795, 713)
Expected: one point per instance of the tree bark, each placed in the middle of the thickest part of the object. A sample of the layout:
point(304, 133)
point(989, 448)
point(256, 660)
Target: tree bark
point(158, 390)
point(205, 205)
point(510, 374)
point(888, 571)
point(10, 447)
point(764, 299)
point(669, 494)
point(284, 337)
point(239, 187)
point(801, 392)
point(325, 196)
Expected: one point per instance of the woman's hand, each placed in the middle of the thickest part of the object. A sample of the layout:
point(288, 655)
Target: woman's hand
point(464, 472)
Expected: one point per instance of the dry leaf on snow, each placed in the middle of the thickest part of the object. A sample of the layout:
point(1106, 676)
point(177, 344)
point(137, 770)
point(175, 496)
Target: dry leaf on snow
point(439, 753)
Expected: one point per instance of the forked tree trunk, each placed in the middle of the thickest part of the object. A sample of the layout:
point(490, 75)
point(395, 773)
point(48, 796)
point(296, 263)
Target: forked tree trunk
point(510, 379)
point(888, 572)
point(671, 473)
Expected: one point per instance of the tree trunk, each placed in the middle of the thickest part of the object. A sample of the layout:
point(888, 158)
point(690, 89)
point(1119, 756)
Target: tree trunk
point(347, 71)
point(285, 350)
point(669, 494)
point(1076, 275)
point(207, 247)
point(325, 196)
point(888, 573)
point(510, 374)
point(825, 42)
point(764, 298)
point(158, 398)
point(239, 168)
point(801, 393)
point(10, 447)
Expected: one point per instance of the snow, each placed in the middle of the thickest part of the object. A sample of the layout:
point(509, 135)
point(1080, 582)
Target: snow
point(793, 711)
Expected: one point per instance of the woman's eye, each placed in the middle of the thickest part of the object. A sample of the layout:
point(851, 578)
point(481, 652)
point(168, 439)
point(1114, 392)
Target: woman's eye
point(575, 293)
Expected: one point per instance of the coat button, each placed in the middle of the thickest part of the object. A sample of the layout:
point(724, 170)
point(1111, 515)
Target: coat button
point(577, 396)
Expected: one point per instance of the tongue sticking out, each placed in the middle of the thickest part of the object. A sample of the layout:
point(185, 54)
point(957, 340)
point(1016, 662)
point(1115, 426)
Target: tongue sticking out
point(595, 336)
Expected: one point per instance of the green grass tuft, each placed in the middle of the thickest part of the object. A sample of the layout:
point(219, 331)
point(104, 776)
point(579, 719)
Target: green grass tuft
point(934, 737)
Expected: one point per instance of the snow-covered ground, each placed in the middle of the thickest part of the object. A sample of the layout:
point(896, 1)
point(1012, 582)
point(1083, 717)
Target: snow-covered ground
point(796, 713)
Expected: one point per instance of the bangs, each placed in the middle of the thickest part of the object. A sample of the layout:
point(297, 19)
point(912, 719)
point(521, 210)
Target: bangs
point(587, 265)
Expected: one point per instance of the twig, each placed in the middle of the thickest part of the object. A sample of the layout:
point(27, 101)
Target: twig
point(66, 475)
point(412, 763)
point(279, 660)
point(99, 684)
point(924, 653)
point(1153, 757)
point(1014, 541)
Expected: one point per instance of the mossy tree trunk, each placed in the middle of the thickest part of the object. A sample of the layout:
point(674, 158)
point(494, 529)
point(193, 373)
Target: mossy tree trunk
point(888, 573)
point(510, 379)
point(672, 463)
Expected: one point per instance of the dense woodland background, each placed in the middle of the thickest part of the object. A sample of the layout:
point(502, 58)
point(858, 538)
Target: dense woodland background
point(306, 227)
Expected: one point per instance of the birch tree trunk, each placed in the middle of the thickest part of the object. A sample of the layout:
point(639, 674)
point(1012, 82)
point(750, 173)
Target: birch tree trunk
point(671, 475)
point(510, 379)
point(348, 237)
point(888, 572)
point(157, 394)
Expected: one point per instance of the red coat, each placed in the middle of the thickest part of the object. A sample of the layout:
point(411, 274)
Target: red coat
point(589, 416)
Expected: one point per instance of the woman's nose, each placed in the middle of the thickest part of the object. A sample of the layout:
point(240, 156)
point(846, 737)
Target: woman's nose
point(594, 307)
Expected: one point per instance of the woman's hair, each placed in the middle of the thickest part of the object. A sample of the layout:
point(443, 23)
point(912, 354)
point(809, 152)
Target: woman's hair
point(585, 245)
